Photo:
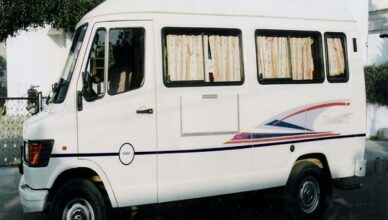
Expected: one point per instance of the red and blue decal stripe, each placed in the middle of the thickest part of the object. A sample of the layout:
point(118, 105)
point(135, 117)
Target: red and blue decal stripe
point(286, 121)
point(271, 137)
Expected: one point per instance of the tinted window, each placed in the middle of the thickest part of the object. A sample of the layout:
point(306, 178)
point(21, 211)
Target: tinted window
point(96, 63)
point(126, 60)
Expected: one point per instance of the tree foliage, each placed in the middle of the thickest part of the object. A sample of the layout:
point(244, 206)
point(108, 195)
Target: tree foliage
point(3, 90)
point(3, 66)
point(19, 15)
point(376, 80)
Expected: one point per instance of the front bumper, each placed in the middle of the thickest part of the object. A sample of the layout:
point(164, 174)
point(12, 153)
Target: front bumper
point(32, 200)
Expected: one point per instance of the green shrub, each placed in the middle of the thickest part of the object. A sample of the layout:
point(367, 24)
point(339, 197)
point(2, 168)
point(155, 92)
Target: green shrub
point(16, 15)
point(376, 81)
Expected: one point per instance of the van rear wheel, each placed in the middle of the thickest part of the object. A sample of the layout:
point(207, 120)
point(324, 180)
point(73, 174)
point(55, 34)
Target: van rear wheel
point(307, 191)
point(78, 199)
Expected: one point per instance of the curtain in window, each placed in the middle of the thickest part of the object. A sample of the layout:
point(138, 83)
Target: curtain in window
point(302, 62)
point(185, 57)
point(274, 57)
point(336, 56)
point(222, 58)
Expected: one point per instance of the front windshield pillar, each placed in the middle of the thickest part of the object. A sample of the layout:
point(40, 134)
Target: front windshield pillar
point(60, 90)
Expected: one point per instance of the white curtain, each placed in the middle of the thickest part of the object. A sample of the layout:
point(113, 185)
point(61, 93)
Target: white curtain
point(188, 58)
point(282, 57)
point(224, 58)
point(336, 56)
point(302, 61)
point(185, 57)
point(274, 57)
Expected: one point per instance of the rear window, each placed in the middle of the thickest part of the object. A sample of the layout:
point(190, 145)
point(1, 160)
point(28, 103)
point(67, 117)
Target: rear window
point(336, 56)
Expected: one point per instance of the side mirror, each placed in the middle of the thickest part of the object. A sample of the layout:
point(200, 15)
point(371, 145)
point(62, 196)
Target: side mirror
point(87, 90)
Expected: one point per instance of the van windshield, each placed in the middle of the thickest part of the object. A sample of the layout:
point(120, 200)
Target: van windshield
point(60, 88)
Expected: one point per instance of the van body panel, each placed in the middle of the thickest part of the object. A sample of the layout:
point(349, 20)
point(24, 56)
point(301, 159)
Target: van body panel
point(261, 166)
point(328, 10)
point(205, 140)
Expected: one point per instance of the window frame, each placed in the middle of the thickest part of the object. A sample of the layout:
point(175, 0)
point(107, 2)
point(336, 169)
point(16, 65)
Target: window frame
point(144, 59)
point(298, 33)
point(200, 30)
point(105, 56)
point(345, 48)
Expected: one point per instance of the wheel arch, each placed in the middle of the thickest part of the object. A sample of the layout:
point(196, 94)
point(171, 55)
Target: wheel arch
point(85, 169)
point(318, 159)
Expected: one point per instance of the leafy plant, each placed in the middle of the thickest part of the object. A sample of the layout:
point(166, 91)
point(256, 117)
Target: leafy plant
point(16, 15)
point(3, 66)
point(376, 80)
point(3, 90)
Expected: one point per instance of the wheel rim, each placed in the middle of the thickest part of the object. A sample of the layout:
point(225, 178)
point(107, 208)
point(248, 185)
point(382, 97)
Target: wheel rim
point(78, 209)
point(309, 195)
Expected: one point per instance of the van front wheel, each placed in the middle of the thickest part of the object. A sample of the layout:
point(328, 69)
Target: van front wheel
point(78, 199)
point(306, 192)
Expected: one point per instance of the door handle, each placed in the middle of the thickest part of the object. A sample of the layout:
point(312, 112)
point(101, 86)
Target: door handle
point(145, 111)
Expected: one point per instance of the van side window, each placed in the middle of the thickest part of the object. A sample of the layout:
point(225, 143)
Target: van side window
point(202, 57)
point(337, 65)
point(126, 60)
point(96, 63)
point(289, 57)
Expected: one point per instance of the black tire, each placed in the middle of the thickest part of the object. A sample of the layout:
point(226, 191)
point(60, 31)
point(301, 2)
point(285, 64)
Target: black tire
point(78, 197)
point(307, 192)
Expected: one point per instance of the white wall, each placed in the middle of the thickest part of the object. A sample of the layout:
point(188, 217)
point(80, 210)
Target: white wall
point(377, 49)
point(377, 54)
point(377, 119)
point(378, 24)
point(35, 57)
point(378, 4)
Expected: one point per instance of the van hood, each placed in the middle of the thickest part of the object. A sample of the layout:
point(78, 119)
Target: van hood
point(34, 126)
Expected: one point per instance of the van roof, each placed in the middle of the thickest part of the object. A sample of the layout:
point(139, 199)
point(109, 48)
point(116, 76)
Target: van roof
point(298, 9)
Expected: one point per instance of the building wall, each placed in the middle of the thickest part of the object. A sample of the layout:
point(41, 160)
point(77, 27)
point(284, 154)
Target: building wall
point(378, 24)
point(378, 4)
point(35, 57)
point(377, 116)
point(377, 49)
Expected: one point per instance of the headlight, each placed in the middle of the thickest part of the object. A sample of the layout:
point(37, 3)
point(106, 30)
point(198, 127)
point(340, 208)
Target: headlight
point(37, 153)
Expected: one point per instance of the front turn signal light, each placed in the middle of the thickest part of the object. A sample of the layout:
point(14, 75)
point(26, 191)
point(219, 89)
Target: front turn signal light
point(34, 153)
point(37, 153)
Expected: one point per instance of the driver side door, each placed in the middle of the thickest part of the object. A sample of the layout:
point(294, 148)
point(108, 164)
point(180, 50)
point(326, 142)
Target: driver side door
point(117, 128)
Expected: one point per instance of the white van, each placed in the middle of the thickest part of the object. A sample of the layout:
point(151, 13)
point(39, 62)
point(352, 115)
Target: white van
point(171, 100)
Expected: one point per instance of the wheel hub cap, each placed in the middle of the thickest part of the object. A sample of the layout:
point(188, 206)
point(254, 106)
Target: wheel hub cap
point(309, 195)
point(78, 209)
